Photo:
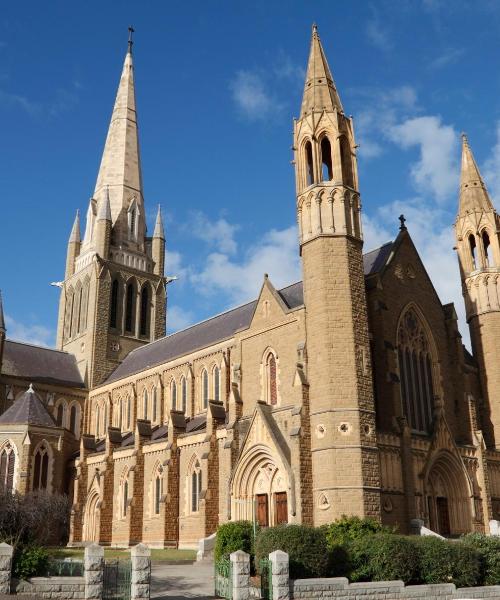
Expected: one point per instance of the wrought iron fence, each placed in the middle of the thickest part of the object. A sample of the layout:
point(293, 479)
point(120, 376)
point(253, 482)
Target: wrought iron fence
point(266, 579)
point(223, 578)
point(64, 567)
point(117, 579)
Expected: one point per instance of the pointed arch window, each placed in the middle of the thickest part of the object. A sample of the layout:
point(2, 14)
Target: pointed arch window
point(415, 368)
point(60, 414)
point(74, 419)
point(130, 308)
point(97, 420)
point(271, 390)
point(309, 163)
point(158, 489)
point(472, 246)
point(173, 395)
point(144, 322)
point(84, 305)
point(113, 314)
point(204, 388)
point(346, 162)
point(183, 394)
point(41, 468)
point(145, 404)
point(125, 497)
point(78, 312)
point(7, 468)
point(216, 378)
point(129, 412)
point(326, 160)
point(154, 403)
point(487, 249)
point(196, 487)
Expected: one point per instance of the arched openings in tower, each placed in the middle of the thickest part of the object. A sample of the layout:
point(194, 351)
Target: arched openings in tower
point(346, 162)
point(113, 309)
point(130, 298)
point(77, 311)
point(473, 253)
point(326, 160)
point(416, 363)
point(488, 259)
point(7, 467)
point(68, 317)
point(84, 305)
point(41, 464)
point(308, 152)
point(145, 311)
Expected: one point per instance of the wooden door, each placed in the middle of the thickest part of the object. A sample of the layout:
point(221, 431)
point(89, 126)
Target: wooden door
point(280, 508)
point(443, 516)
point(262, 510)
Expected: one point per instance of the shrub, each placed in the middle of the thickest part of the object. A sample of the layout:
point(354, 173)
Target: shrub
point(306, 548)
point(489, 551)
point(30, 561)
point(346, 529)
point(233, 536)
point(383, 557)
point(448, 562)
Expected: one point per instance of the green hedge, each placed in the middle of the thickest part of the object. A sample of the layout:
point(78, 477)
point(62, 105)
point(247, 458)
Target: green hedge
point(347, 529)
point(233, 536)
point(305, 546)
point(30, 561)
point(489, 551)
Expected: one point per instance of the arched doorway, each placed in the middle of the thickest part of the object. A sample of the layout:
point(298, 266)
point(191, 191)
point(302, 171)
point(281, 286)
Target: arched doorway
point(449, 496)
point(92, 519)
point(260, 488)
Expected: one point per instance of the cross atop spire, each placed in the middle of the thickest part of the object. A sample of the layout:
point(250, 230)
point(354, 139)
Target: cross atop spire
point(473, 193)
point(131, 32)
point(320, 92)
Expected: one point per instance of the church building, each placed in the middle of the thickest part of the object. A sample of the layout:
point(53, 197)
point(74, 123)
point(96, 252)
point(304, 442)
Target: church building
point(349, 392)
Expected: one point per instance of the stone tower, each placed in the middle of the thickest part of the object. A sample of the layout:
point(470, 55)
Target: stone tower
point(344, 453)
point(477, 230)
point(113, 295)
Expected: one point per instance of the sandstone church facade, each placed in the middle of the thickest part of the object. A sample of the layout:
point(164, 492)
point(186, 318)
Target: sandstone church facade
point(349, 392)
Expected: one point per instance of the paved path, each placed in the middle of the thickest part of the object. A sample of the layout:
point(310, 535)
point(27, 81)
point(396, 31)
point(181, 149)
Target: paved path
point(176, 582)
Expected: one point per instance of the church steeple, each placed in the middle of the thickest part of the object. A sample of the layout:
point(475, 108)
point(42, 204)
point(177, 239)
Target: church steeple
point(320, 92)
point(473, 193)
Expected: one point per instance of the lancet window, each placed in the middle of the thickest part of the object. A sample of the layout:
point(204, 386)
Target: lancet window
point(41, 468)
point(196, 483)
point(7, 468)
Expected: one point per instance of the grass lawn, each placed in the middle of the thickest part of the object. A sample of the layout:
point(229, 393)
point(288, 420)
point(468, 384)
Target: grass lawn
point(170, 554)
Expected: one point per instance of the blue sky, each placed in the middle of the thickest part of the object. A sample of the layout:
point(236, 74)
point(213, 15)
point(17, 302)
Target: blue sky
point(217, 86)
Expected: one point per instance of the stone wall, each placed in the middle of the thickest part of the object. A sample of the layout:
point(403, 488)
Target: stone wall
point(51, 587)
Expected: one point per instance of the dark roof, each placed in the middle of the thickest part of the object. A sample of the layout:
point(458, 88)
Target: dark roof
point(43, 365)
point(221, 327)
point(28, 409)
point(196, 423)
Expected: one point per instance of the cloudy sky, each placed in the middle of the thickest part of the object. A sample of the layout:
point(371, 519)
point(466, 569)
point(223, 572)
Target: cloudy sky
point(218, 83)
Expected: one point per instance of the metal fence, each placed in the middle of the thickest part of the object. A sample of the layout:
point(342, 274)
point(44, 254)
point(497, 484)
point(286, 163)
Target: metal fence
point(223, 578)
point(64, 567)
point(117, 579)
point(259, 589)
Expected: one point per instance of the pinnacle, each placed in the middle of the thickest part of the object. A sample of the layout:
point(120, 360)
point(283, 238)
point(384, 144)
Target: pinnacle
point(473, 193)
point(74, 236)
point(159, 231)
point(320, 92)
point(104, 208)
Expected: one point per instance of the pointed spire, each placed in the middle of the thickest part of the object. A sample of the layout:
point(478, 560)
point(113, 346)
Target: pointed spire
point(74, 236)
point(104, 208)
point(473, 193)
point(319, 89)
point(2, 317)
point(120, 168)
point(159, 231)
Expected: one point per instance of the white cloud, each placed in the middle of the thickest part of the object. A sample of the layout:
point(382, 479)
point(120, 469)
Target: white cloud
point(175, 267)
point(178, 318)
point(219, 234)
point(276, 254)
point(19, 101)
point(491, 170)
point(252, 97)
point(447, 57)
point(31, 334)
point(436, 171)
point(378, 34)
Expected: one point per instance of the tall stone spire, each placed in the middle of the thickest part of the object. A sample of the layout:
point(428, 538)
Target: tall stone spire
point(319, 91)
point(473, 193)
point(159, 231)
point(120, 169)
point(74, 236)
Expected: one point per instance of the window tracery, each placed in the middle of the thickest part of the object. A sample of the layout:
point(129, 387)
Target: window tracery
point(7, 468)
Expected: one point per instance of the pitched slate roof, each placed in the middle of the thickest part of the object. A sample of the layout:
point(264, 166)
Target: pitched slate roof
point(28, 409)
point(221, 327)
point(43, 365)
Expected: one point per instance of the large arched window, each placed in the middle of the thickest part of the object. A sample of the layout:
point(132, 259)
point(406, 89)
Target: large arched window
point(74, 419)
point(144, 322)
point(271, 385)
point(195, 486)
point(7, 468)
point(204, 388)
point(41, 468)
point(68, 315)
point(326, 160)
point(309, 163)
point(346, 162)
point(84, 305)
point(173, 395)
point(415, 368)
point(487, 249)
point(78, 309)
point(216, 380)
point(183, 394)
point(130, 308)
point(472, 246)
point(113, 312)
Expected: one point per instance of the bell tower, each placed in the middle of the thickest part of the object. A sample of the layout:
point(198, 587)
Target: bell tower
point(477, 230)
point(344, 453)
point(113, 295)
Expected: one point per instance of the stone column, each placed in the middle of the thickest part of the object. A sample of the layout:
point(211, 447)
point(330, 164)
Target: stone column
point(6, 552)
point(280, 575)
point(240, 567)
point(141, 572)
point(94, 572)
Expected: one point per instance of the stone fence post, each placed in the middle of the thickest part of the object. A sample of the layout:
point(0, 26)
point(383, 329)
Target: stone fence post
point(94, 572)
point(280, 575)
point(6, 553)
point(141, 572)
point(240, 567)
